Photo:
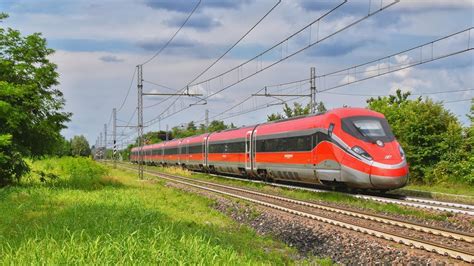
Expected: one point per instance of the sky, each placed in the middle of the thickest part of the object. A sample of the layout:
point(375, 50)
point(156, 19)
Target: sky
point(99, 44)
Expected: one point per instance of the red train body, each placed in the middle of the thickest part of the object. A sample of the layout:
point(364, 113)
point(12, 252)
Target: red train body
point(353, 147)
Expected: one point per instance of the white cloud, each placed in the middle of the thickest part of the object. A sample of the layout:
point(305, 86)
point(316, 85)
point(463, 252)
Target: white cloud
point(347, 79)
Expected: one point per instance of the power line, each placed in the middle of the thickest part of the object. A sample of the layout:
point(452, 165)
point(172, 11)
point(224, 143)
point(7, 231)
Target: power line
point(378, 69)
point(174, 35)
point(381, 95)
point(160, 85)
point(260, 90)
point(237, 42)
point(261, 68)
point(388, 68)
point(128, 91)
point(263, 106)
point(456, 101)
point(220, 57)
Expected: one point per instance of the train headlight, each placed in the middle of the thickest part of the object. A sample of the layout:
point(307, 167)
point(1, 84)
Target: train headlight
point(362, 152)
point(402, 152)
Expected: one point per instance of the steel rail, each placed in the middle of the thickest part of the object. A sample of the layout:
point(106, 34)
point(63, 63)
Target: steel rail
point(410, 241)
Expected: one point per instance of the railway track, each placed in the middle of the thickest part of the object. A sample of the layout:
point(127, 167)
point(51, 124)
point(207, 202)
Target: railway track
point(451, 207)
point(458, 245)
point(414, 202)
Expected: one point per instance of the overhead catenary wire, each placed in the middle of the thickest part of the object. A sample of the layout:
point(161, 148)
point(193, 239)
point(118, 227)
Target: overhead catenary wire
point(260, 107)
point(260, 90)
point(235, 44)
point(370, 62)
point(220, 57)
point(160, 85)
point(412, 94)
point(128, 91)
point(174, 35)
point(152, 121)
point(460, 100)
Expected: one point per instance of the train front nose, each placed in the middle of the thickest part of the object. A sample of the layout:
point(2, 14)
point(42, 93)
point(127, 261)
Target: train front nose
point(383, 176)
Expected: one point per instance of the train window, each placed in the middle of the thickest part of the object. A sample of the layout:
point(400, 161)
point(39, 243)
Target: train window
point(300, 143)
point(230, 147)
point(369, 128)
point(235, 147)
point(171, 151)
point(195, 149)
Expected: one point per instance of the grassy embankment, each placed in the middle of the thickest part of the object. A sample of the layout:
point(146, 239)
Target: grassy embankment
point(307, 195)
point(450, 192)
point(84, 213)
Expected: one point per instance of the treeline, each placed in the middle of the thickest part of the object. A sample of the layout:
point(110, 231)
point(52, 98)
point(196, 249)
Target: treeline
point(77, 146)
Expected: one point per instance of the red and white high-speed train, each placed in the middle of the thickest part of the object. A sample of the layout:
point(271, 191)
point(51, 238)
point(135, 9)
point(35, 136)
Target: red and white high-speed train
point(352, 147)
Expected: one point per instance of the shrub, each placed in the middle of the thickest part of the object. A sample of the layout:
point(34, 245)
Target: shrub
point(71, 172)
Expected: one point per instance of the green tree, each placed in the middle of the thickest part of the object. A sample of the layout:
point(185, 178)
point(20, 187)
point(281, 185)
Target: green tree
point(153, 137)
point(321, 108)
point(288, 112)
point(30, 104)
point(216, 125)
point(427, 132)
point(80, 146)
point(457, 165)
point(63, 148)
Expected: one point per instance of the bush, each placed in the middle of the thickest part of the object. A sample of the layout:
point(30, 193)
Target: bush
point(435, 144)
point(70, 172)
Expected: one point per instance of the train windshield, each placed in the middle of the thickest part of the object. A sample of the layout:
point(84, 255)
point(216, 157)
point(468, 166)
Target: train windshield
point(368, 128)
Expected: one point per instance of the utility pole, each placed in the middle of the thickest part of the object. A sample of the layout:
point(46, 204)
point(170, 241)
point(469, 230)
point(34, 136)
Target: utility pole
point(140, 114)
point(105, 143)
point(140, 120)
point(166, 135)
point(313, 89)
point(114, 152)
point(311, 95)
point(207, 120)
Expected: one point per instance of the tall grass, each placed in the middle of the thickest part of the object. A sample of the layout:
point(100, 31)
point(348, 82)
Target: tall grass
point(69, 172)
point(77, 218)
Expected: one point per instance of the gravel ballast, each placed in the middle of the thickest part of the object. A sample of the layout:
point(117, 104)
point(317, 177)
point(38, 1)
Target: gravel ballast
point(313, 238)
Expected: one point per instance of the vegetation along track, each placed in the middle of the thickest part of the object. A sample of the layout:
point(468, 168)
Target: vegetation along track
point(455, 244)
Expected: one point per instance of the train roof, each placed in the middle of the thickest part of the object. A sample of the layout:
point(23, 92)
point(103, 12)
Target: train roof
point(237, 132)
point(195, 139)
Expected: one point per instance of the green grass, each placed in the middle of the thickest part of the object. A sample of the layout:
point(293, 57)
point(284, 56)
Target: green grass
point(334, 197)
point(88, 214)
point(449, 192)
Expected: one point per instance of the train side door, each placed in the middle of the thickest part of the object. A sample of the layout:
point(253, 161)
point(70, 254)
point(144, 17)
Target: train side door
point(248, 150)
point(187, 152)
point(204, 151)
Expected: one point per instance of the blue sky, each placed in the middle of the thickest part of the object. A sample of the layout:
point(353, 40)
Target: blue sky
point(98, 44)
